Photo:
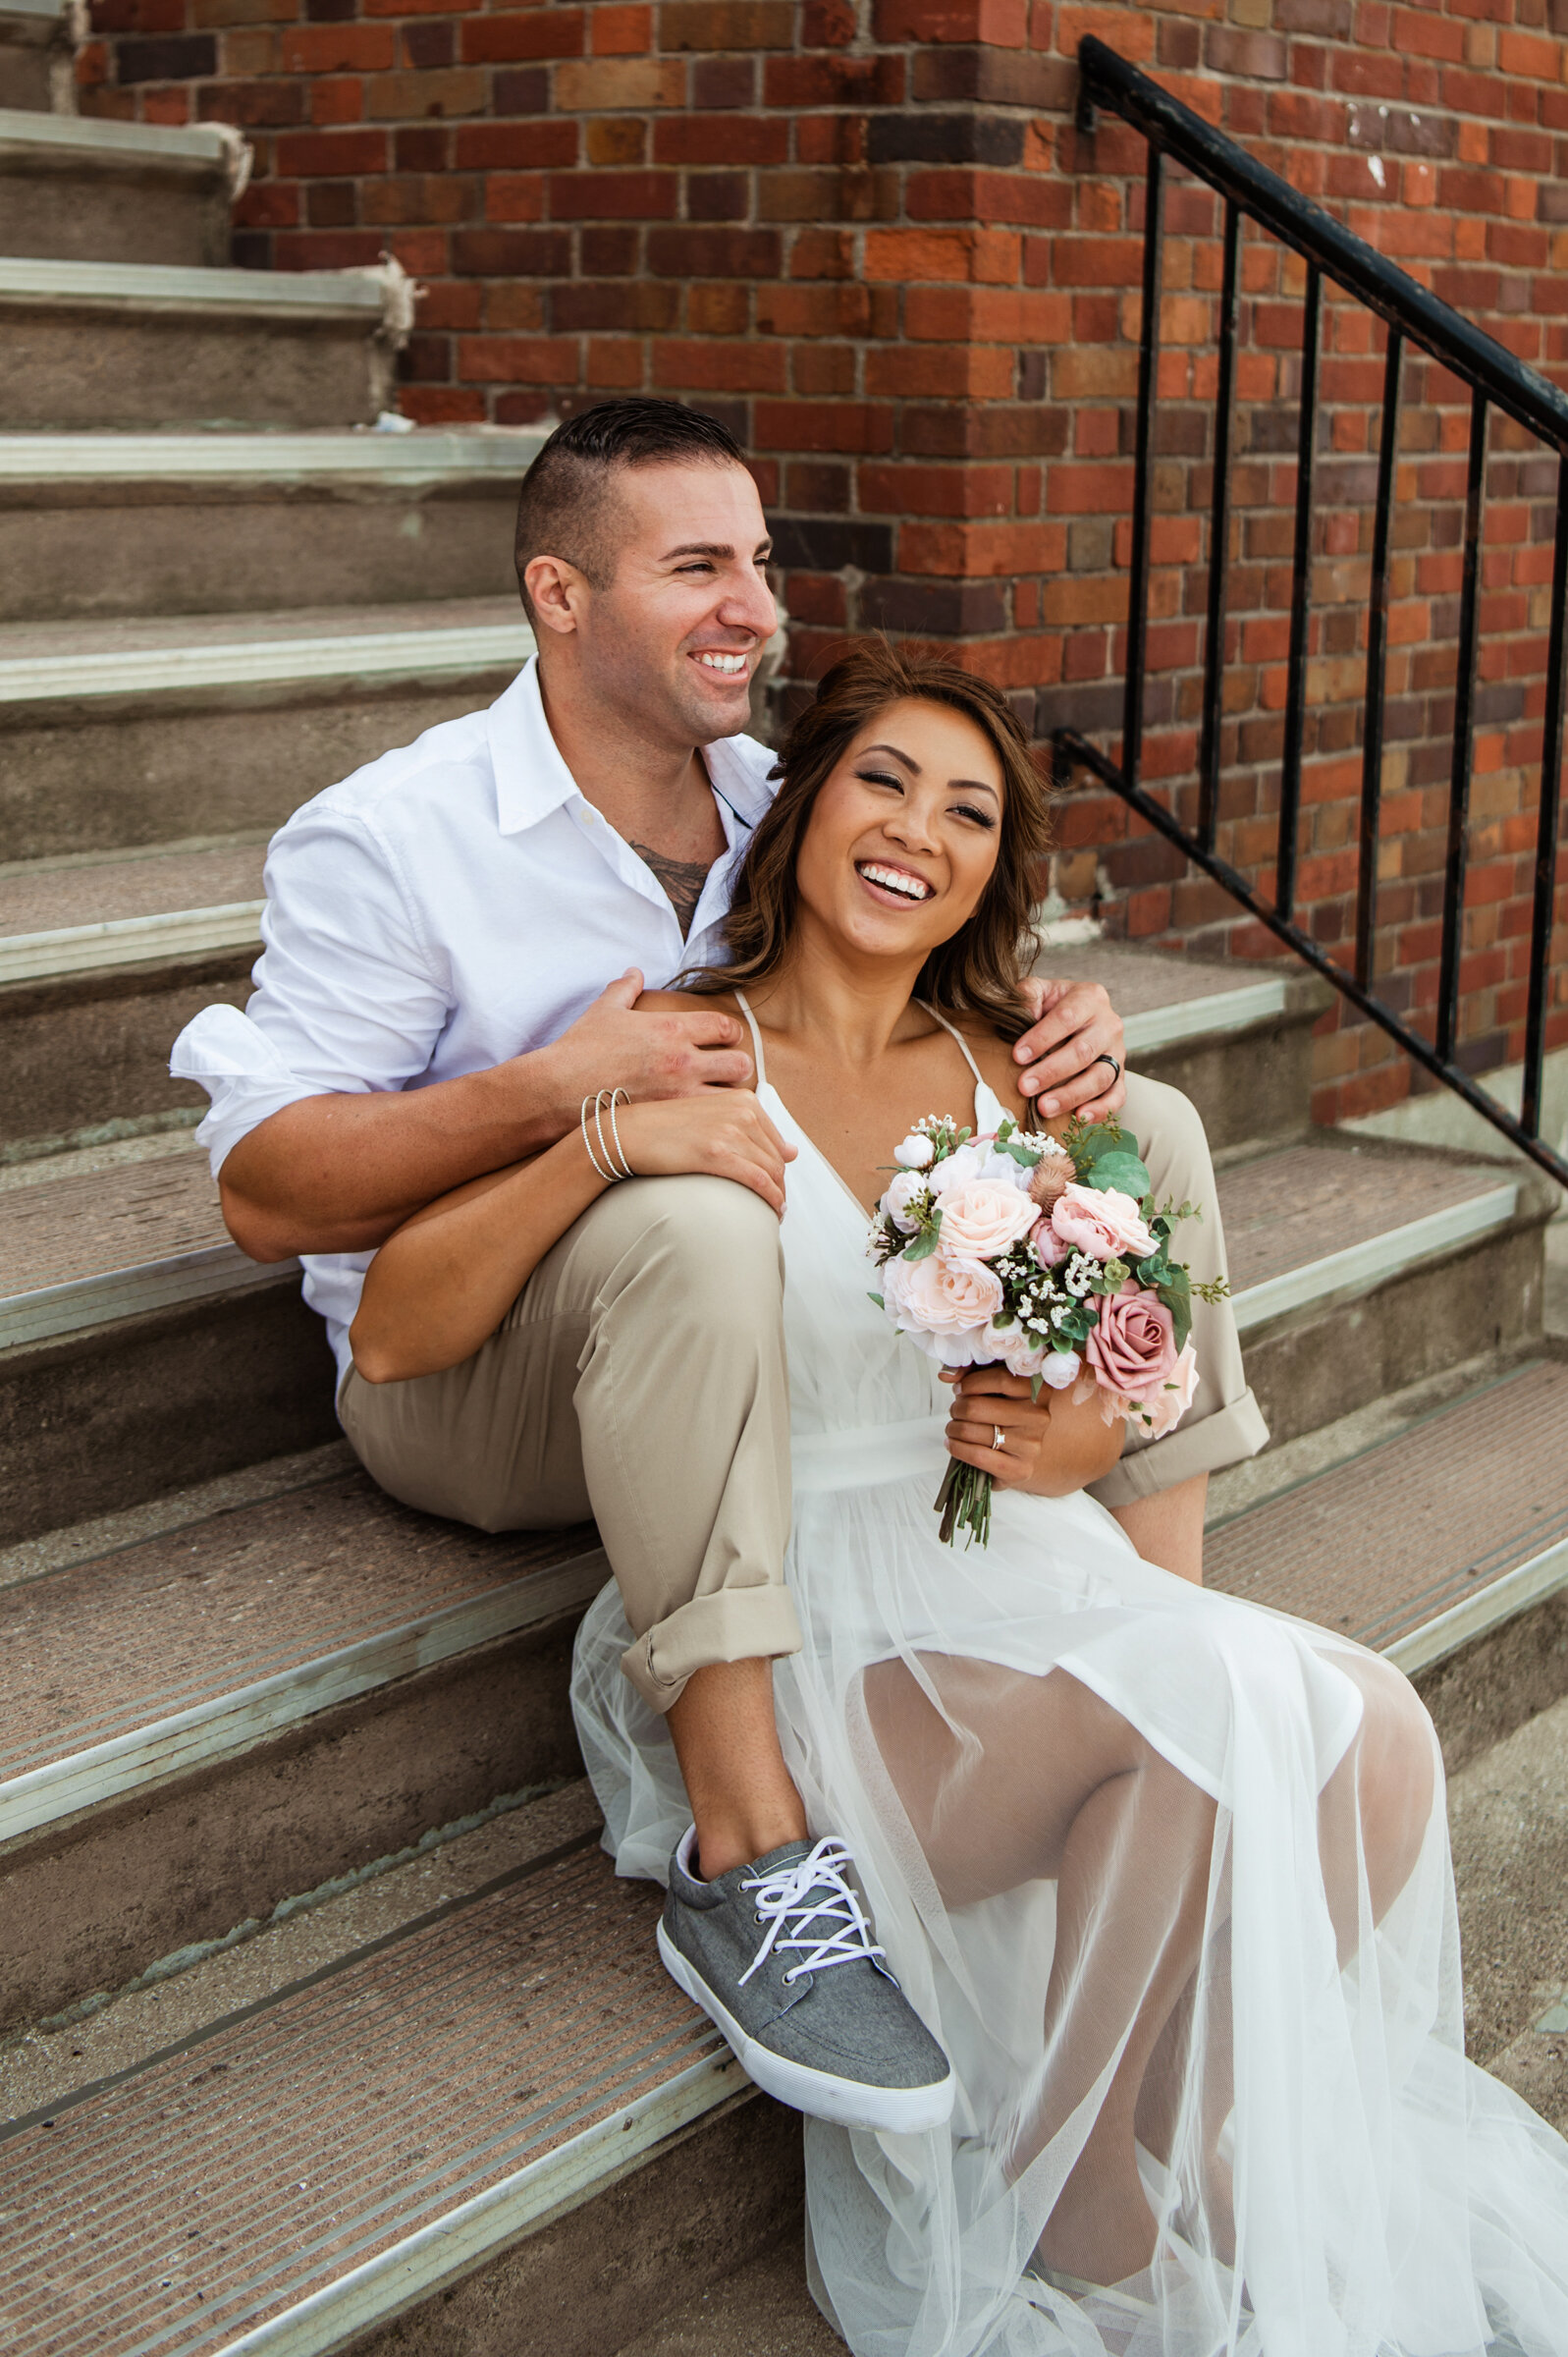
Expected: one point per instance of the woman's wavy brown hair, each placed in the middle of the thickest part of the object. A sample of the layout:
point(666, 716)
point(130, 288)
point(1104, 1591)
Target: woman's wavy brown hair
point(979, 970)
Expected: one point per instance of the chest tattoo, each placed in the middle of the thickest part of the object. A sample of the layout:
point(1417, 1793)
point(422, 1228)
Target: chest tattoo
point(682, 881)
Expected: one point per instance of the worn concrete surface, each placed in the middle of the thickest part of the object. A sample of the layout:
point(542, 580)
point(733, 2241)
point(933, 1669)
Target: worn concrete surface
point(762, 2310)
point(1508, 1811)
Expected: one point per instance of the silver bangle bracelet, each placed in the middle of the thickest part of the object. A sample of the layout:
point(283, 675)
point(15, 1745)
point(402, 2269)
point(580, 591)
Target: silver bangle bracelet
point(624, 1096)
point(611, 1153)
point(608, 1176)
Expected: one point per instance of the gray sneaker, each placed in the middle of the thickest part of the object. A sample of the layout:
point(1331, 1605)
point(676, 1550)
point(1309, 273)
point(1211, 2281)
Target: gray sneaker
point(779, 1956)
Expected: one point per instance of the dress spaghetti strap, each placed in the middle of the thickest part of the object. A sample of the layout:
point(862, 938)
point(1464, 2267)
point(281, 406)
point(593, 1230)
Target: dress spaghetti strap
point(963, 1045)
point(756, 1038)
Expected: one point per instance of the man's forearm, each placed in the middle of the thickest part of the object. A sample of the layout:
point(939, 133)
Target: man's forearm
point(337, 1174)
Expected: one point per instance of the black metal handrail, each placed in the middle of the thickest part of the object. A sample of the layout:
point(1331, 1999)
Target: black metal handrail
point(1496, 380)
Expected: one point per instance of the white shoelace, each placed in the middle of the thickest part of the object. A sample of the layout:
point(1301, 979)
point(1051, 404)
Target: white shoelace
point(800, 1896)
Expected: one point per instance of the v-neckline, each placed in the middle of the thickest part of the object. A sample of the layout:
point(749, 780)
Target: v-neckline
point(863, 1211)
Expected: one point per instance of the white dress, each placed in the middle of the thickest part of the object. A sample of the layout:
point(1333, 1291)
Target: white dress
point(1331, 2176)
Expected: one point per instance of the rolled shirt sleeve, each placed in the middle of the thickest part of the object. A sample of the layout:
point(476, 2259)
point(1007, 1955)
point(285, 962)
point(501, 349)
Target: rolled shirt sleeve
point(1225, 1424)
point(350, 997)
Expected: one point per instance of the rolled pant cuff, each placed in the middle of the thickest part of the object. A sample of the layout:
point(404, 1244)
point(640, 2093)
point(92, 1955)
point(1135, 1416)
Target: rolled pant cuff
point(1228, 1437)
point(735, 1625)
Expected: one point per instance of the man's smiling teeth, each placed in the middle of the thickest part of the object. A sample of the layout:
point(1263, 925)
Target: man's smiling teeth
point(893, 879)
point(730, 665)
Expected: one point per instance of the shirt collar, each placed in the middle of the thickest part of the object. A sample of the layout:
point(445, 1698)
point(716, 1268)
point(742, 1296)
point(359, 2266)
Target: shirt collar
point(532, 779)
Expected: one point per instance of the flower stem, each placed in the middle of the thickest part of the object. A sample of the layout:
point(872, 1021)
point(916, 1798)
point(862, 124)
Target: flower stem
point(964, 1503)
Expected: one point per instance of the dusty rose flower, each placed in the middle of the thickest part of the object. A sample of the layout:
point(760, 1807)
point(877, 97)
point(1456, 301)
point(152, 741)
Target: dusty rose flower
point(1049, 1249)
point(1101, 1222)
point(1170, 1402)
point(981, 1221)
point(1049, 1180)
point(941, 1298)
point(1132, 1349)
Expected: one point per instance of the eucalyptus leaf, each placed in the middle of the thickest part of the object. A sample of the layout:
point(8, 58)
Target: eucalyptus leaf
point(924, 1243)
point(1123, 1171)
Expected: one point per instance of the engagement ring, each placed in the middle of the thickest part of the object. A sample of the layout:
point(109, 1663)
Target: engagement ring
point(999, 1440)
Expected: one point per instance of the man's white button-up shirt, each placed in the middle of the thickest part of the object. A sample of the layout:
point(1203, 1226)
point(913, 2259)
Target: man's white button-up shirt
point(455, 904)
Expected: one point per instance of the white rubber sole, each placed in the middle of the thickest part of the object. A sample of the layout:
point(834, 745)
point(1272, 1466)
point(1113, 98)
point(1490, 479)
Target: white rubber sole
point(889, 2111)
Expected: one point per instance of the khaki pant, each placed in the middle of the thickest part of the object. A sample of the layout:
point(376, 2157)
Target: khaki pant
point(639, 1378)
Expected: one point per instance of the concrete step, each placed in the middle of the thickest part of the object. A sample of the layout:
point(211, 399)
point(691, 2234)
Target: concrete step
point(115, 735)
point(200, 1722)
point(393, 2105)
point(105, 525)
point(340, 2049)
point(122, 344)
point(81, 190)
point(1354, 1266)
point(1236, 1038)
point(37, 66)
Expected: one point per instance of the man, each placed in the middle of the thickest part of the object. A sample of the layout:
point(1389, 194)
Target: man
point(455, 939)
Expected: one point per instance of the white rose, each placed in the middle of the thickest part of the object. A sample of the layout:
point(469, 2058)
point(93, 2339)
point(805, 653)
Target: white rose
point(900, 1193)
point(915, 1153)
point(1059, 1368)
point(1013, 1347)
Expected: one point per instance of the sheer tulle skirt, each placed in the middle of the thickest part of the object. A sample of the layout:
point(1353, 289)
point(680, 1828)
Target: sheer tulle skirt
point(1168, 1875)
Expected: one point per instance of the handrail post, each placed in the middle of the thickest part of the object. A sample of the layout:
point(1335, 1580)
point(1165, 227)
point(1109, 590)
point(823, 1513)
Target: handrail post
point(1453, 901)
point(1545, 899)
point(1300, 600)
point(1148, 362)
point(1213, 667)
point(1376, 668)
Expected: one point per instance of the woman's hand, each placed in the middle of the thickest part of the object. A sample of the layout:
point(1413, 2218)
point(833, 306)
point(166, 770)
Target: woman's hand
point(1051, 1448)
point(724, 1132)
point(989, 1398)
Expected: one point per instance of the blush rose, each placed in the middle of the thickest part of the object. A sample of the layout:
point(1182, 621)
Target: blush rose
point(981, 1221)
point(1101, 1222)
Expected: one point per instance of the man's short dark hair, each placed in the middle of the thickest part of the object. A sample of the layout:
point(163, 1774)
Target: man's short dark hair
point(565, 507)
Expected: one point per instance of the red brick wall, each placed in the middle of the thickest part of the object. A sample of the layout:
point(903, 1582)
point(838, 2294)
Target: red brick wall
point(867, 234)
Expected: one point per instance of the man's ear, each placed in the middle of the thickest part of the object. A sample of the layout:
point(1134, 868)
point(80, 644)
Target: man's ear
point(558, 592)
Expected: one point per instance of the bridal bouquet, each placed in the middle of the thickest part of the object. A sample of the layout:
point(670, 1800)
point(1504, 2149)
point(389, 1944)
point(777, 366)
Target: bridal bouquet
point(1051, 1260)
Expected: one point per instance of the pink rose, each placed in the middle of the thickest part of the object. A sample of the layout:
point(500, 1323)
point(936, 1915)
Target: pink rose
point(1133, 1351)
point(940, 1296)
point(980, 1220)
point(1172, 1398)
point(1101, 1222)
point(1049, 1249)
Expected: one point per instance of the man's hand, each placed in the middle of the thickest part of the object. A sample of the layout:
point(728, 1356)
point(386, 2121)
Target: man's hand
point(648, 1055)
point(1075, 1025)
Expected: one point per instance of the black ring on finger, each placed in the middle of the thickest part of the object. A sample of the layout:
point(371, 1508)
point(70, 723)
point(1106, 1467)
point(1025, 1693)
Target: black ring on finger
point(1116, 1067)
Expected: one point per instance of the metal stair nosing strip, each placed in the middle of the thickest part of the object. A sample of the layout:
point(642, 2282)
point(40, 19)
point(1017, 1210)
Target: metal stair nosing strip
point(84, 1303)
point(1316, 1283)
point(86, 144)
point(1218, 1014)
point(129, 941)
point(223, 1725)
point(146, 673)
point(423, 457)
point(449, 2247)
point(130, 289)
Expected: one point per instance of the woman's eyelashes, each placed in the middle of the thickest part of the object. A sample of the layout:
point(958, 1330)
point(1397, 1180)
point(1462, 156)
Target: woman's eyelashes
point(883, 777)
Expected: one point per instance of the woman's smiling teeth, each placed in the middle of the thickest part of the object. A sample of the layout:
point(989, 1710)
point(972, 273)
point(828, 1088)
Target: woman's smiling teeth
point(895, 879)
point(712, 659)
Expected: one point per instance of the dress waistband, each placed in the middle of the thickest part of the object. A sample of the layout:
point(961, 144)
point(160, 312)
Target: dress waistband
point(876, 1452)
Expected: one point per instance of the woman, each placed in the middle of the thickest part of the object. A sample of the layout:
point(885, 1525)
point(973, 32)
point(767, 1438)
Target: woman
point(1167, 1874)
